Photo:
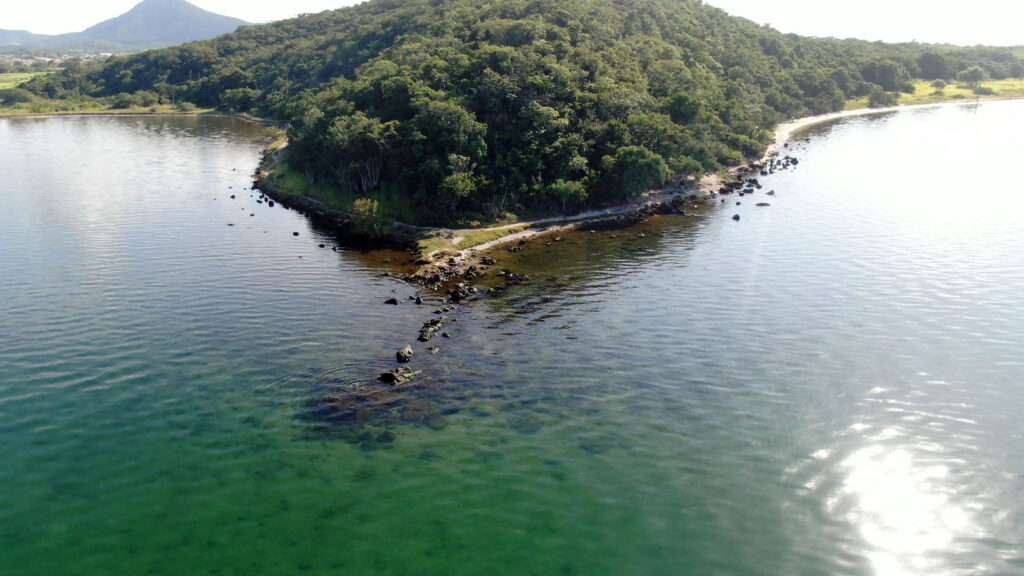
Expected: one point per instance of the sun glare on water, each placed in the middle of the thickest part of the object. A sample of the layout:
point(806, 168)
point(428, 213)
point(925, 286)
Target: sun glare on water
point(903, 510)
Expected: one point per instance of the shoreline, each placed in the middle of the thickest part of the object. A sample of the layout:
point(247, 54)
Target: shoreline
point(109, 114)
point(450, 272)
point(706, 186)
point(693, 193)
point(785, 130)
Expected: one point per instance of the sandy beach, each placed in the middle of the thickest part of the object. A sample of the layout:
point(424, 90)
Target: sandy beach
point(784, 131)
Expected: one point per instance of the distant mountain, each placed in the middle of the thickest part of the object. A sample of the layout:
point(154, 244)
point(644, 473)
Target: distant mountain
point(162, 23)
point(19, 37)
point(150, 24)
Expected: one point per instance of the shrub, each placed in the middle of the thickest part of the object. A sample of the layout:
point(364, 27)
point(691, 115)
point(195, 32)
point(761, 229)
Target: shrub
point(12, 96)
point(632, 170)
point(122, 101)
point(146, 98)
point(879, 98)
point(569, 194)
point(366, 219)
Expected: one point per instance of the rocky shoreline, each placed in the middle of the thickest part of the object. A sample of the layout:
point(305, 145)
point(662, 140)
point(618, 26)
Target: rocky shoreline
point(449, 278)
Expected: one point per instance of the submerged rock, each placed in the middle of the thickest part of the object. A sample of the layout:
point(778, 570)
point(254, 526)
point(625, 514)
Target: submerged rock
point(526, 424)
point(435, 421)
point(430, 327)
point(392, 301)
point(397, 376)
point(366, 401)
point(594, 447)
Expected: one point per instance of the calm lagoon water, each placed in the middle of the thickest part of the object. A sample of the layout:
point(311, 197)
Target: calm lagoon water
point(831, 385)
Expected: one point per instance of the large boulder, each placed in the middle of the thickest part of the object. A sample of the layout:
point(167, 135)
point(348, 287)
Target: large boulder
point(404, 355)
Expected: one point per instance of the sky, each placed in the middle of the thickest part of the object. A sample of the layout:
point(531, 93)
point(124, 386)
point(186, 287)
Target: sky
point(61, 16)
point(992, 22)
point(967, 23)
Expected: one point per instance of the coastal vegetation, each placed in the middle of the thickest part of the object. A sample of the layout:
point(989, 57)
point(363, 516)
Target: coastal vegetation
point(935, 91)
point(458, 112)
point(19, 102)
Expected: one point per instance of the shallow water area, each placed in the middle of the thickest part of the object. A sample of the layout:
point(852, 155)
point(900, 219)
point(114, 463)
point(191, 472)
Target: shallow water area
point(829, 385)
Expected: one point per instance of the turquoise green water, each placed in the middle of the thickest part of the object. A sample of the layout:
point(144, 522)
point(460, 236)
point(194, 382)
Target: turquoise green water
point(829, 386)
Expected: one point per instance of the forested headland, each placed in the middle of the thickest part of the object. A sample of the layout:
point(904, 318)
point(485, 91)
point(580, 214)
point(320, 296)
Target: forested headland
point(441, 112)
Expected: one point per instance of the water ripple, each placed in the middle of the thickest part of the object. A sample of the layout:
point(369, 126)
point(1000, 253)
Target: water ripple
point(841, 367)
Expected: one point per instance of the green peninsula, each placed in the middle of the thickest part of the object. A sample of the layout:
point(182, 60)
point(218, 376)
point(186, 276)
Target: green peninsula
point(462, 113)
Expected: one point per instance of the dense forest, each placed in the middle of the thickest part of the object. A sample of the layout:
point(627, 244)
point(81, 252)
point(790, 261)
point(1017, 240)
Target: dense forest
point(470, 109)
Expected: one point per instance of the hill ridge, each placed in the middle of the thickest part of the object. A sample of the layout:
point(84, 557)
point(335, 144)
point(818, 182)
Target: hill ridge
point(148, 24)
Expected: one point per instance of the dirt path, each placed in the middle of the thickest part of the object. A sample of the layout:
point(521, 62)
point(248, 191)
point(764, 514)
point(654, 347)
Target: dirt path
point(705, 187)
point(558, 223)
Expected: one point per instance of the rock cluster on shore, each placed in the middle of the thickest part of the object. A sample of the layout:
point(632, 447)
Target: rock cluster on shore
point(676, 205)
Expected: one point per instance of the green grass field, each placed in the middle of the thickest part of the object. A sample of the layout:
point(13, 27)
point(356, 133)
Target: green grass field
point(12, 80)
point(469, 238)
point(925, 93)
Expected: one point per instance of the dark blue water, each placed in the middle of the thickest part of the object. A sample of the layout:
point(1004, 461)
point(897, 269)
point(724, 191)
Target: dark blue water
point(831, 385)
